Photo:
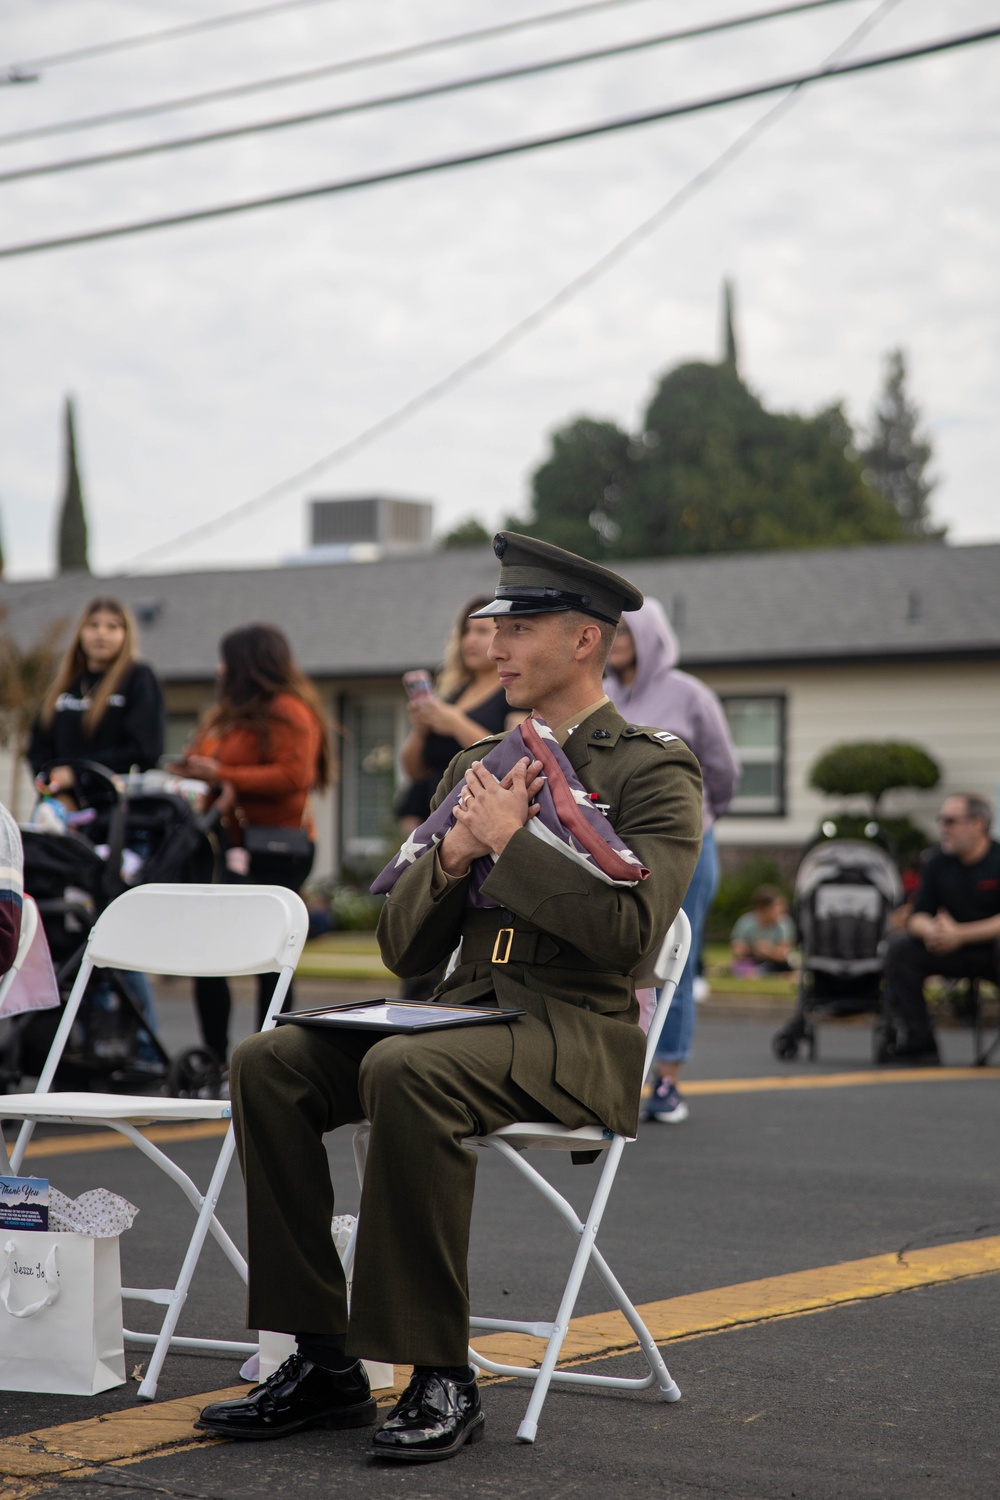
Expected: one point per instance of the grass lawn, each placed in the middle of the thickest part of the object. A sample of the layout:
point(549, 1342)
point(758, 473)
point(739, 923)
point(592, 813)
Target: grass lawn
point(715, 957)
point(343, 955)
point(355, 955)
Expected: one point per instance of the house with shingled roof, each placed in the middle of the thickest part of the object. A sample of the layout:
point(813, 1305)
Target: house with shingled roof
point(805, 648)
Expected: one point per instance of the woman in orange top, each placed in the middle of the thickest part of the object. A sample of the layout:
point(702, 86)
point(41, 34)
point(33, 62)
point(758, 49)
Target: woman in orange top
point(265, 744)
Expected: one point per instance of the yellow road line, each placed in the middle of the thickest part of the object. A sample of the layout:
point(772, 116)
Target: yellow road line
point(36, 1460)
point(780, 1082)
point(110, 1140)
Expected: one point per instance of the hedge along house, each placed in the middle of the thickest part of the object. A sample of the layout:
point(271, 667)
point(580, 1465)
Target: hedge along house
point(806, 649)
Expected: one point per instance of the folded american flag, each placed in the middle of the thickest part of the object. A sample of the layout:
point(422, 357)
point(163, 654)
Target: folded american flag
point(568, 819)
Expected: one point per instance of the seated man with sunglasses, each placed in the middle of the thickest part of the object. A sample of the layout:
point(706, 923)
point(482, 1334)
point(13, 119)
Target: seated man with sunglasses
point(954, 928)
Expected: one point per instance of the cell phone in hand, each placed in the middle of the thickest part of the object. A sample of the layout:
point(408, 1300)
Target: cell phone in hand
point(418, 685)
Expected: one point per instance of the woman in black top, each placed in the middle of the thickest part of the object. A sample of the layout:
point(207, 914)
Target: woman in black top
point(104, 705)
point(107, 707)
point(468, 705)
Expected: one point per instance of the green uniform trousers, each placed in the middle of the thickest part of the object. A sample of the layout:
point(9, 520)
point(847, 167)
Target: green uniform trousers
point(423, 1094)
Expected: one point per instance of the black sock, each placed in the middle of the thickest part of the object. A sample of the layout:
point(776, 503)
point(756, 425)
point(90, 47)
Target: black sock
point(462, 1373)
point(325, 1349)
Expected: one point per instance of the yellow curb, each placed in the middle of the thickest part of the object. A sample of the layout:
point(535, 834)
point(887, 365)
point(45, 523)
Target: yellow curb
point(116, 1435)
point(800, 1292)
point(71, 1449)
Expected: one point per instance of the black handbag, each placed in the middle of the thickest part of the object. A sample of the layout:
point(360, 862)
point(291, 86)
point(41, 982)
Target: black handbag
point(286, 843)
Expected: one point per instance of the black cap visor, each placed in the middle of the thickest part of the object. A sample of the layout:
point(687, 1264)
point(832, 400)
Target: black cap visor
point(528, 600)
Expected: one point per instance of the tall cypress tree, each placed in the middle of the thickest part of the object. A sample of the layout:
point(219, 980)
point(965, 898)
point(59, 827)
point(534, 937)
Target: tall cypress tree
point(728, 328)
point(72, 519)
point(896, 455)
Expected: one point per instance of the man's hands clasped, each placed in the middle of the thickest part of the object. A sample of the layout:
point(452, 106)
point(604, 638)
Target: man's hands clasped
point(490, 812)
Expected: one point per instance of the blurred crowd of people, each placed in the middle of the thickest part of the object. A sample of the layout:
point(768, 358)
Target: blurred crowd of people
point(266, 744)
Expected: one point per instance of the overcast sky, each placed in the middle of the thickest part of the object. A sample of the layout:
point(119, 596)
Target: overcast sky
point(211, 362)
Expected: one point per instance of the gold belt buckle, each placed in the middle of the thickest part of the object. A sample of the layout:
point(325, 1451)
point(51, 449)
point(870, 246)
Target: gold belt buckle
point(508, 933)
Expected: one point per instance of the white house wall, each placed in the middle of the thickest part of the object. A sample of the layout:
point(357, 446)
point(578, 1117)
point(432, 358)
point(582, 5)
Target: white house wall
point(952, 710)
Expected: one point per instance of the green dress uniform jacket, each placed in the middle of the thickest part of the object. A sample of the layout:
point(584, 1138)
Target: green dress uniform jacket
point(562, 944)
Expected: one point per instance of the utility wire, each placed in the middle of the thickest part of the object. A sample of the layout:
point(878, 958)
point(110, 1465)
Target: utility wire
point(494, 153)
point(409, 96)
point(520, 330)
point(356, 64)
point(168, 34)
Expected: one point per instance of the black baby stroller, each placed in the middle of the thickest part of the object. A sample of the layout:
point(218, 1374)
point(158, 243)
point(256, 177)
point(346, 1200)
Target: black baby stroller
point(73, 876)
point(845, 890)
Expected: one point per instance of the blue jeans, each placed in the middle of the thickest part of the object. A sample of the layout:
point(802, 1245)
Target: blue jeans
point(678, 1030)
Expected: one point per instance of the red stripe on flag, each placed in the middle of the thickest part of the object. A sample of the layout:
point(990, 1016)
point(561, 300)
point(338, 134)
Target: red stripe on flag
point(571, 815)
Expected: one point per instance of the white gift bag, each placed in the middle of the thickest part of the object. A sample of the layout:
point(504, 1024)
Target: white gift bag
point(60, 1314)
point(276, 1347)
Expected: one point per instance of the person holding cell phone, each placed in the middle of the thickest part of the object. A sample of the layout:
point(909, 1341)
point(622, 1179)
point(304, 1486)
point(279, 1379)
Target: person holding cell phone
point(467, 704)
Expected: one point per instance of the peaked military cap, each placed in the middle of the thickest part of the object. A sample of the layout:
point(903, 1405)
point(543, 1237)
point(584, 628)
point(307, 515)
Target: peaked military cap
point(537, 578)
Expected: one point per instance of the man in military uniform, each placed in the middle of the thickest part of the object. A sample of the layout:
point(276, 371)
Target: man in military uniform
point(559, 945)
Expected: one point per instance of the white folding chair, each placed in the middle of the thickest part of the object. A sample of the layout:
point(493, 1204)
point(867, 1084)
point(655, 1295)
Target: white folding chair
point(29, 927)
point(175, 930)
point(510, 1141)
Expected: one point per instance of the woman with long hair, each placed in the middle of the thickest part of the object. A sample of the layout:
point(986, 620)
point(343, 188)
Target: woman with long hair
point(468, 704)
point(104, 705)
point(264, 745)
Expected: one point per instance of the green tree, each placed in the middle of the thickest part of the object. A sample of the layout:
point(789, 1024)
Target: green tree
point(870, 768)
point(579, 490)
point(896, 455)
point(72, 518)
point(468, 533)
point(712, 471)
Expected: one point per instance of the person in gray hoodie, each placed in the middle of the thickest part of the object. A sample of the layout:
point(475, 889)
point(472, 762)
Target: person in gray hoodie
point(645, 685)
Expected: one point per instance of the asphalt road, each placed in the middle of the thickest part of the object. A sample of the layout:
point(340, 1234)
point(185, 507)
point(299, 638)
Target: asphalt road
point(890, 1397)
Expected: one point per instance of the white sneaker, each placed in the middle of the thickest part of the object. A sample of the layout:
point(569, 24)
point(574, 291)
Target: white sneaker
point(701, 989)
point(666, 1105)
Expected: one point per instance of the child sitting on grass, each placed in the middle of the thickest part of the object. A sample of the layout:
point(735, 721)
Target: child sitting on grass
point(763, 937)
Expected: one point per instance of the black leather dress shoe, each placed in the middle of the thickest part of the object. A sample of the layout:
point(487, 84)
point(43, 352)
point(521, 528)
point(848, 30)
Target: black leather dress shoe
point(297, 1395)
point(433, 1418)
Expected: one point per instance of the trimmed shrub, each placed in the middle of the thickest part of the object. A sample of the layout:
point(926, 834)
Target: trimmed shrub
point(870, 768)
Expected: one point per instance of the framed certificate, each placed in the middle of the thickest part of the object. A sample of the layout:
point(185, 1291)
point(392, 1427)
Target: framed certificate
point(396, 1016)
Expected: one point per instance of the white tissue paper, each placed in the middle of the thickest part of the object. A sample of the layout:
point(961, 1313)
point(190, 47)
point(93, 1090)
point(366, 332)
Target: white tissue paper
point(101, 1214)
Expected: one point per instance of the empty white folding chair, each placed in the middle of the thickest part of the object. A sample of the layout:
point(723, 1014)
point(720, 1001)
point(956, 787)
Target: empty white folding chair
point(175, 930)
point(510, 1142)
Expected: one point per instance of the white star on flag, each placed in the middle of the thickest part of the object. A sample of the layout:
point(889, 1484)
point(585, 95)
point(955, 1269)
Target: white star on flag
point(543, 731)
point(409, 852)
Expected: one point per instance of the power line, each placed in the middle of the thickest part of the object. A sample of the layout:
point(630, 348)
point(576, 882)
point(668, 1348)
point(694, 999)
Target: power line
point(355, 64)
point(168, 34)
point(520, 330)
point(494, 153)
point(409, 96)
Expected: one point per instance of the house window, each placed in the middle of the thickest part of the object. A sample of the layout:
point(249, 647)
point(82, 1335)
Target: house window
point(369, 776)
point(757, 725)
